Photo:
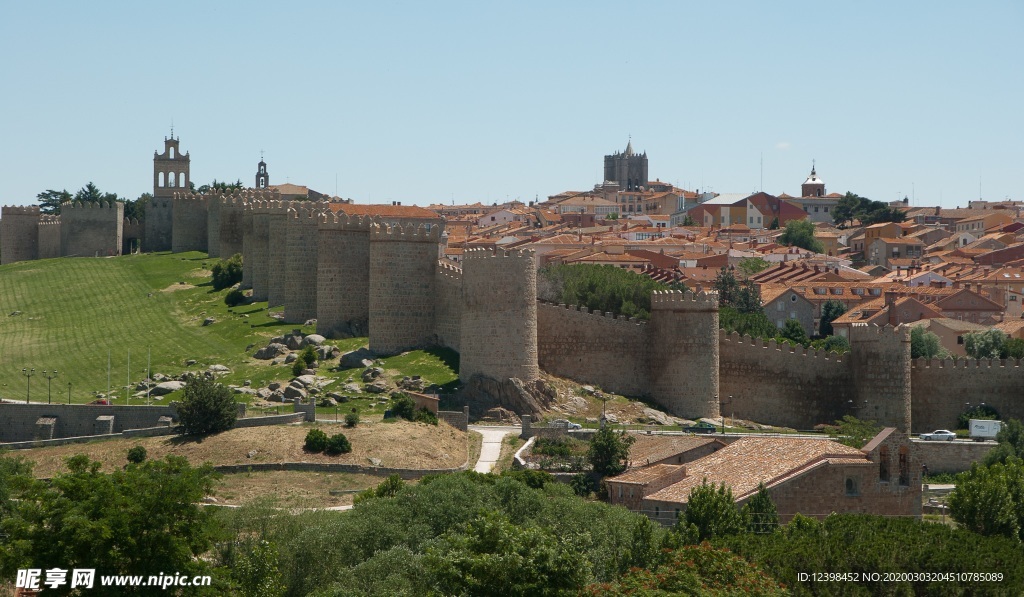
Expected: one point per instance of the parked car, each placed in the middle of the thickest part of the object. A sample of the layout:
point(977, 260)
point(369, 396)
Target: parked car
point(567, 424)
point(939, 435)
point(701, 427)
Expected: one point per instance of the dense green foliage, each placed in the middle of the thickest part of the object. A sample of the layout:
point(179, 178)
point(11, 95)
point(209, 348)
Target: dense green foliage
point(352, 418)
point(337, 444)
point(603, 287)
point(143, 520)
point(831, 343)
point(1011, 442)
point(830, 311)
point(316, 441)
point(925, 344)
point(853, 432)
point(989, 500)
point(751, 266)
point(227, 272)
point(800, 233)
point(985, 345)
point(794, 333)
point(137, 454)
point(693, 570)
point(875, 544)
point(609, 451)
point(760, 513)
point(206, 407)
point(755, 325)
point(711, 512)
point(978, 411)
point(404, 406)
point(235, 297)
point(745, 298)
point(854, 207)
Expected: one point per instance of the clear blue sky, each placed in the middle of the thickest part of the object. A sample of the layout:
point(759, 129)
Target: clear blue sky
point(439, 101)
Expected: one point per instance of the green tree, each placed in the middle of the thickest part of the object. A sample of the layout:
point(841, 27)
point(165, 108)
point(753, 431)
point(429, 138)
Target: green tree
point(216, 186)
point(609, 451)
point(712, 511)
point(760, 513)
point(338, 444)
point(985, 345)
point(925, 344)
point(316, 441)
point(50, 200)
point(493, 556)
point(90, 194)
point(1010, 443)
point(830, 311)
point(688, 221)
point(749, 298)
point(227, 272)
point(800, 233)
point(853, 432)
point(137, 454)
point(978, 411)
point(727, 286)
point(602, 287)
point(846, 209)
point(794, 332)
point(1013, 348)
point(136, 210)
point(142, 520)
point(751, 266)
point(206, 407)
point(256, 571)
point(989, 500)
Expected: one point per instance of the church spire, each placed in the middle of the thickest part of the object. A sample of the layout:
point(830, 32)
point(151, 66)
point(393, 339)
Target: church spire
point(629, 146)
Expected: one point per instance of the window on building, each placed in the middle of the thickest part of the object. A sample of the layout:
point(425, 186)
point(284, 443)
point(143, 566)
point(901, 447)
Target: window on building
point(876, 292)
point(815, 209)
point(883, 464)
point(904, 466)
point(858, 291)
point(758, 219)
point(780, 306)
point(826, 209)
point(960, 339)
point(852, 487)
point(779, 323)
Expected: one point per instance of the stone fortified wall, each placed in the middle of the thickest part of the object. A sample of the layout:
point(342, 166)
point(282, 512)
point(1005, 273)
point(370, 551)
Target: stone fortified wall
point(229, 224)
point(684, 353)
point(498, 334)
point(189, 225)
point(91, 229)
point(941, 389)
point(880, 368)
point(49, 237)
point(213, 207)
point(343, 281)
point(159, 224)
point(72, 420)
point(277, 243)
point(300, 261)
point(19, 233)
point(448, 305)
point(260, 249)
point(402, 260)
point(594, 348)
point(764, 381)
point(133, 235)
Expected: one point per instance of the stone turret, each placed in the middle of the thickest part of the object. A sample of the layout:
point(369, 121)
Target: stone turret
point(499, 315)
point(881, 369)
point(260, 249)
point(684, 352)
point(91, 229)
point(189, 227)
point(19, 233)
point(277, 234)
point(301, 261)
point(402, 260)
point(343, 284)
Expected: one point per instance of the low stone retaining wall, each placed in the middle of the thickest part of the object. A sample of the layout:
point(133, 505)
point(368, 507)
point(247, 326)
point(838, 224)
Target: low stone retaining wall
point(323, 467)
point(951, 457)
point(457, 419)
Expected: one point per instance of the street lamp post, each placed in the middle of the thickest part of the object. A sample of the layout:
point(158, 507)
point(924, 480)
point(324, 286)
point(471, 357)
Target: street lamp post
point(28, 373)
point(69, 392)
point(50, 376)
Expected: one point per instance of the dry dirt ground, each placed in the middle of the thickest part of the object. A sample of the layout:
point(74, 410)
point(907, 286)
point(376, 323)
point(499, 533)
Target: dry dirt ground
point(293, 489)
point(400, 445)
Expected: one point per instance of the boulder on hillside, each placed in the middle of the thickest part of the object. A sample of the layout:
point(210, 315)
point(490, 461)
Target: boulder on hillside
point(357, 358)
point(313, 340)
point(166, 387)
point(372, 373)
point(306, 380)
point(218, 369)
point(290, 358)
point(291, 393)
point(294, 342)
point(326, 352)
point(270, 351)
point(377, 387)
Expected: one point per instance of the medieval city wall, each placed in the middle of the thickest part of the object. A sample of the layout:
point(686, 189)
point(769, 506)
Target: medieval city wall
point(683, 358)
point(229, 226)
point(343, 279)
point(448, 305)
point(91, 229)
point(260, 250)
point(781, 385)
point(213, 207)
point(49, 237)
point(19, 233)
point(277, 244)
point(880, 366)
point(941, 389)
point(189, 225)
point(133, 235)
point(498, 332)
point(159, 222)
point(593, 348)
point(247, 245)
point(401, 313)
point(300, 261)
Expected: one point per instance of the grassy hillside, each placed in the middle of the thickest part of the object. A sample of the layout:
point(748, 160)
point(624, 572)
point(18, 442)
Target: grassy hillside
point(66, 314)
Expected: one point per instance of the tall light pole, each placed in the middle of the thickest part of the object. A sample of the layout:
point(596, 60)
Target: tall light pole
point(69, 392)
point(28, 373)
point(50, 376)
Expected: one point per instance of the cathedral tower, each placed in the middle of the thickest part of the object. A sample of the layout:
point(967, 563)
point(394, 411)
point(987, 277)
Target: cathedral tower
point(262, 178)
point(628, 169)
point(813, 186)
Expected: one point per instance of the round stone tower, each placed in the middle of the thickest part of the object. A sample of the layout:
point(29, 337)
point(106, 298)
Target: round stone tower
point(684, 352)
point(402, 262)
point(498, 337)
point(301, 261)
point(343, 284)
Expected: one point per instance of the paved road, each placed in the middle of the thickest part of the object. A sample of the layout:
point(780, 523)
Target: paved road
point(491, 448)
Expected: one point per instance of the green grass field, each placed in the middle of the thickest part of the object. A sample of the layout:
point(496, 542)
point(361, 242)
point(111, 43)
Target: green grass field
point(68, 314)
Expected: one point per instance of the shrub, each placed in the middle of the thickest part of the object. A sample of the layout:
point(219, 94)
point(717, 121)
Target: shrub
point(403, 406)
point(316, 441)
point(137, 455)
point(206, 407)
point(234, 298)
point(352, 419)
point(338, 444)
point(298, 367)
point(608, 450)
point(425, 416)
point(558, 447)
point(227, 272)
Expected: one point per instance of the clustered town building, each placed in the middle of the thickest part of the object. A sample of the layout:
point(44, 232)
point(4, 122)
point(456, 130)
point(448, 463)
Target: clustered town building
point(464, 276)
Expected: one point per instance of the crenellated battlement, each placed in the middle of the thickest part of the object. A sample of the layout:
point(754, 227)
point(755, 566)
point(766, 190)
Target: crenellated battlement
point(950, 363)
point(49, 220)
point(20, 210)
point(475, 254)
point(585, 312)
point(863, 333)
point(684, 300)
point(408, 233)
point(342, 221)
point(197, 198)
point(67, 206)
point(306, 212)
point(746, 341)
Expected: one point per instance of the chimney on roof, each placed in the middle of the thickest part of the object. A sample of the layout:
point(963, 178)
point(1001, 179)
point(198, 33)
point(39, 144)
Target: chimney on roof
point(937, 210)
point(816, 270)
